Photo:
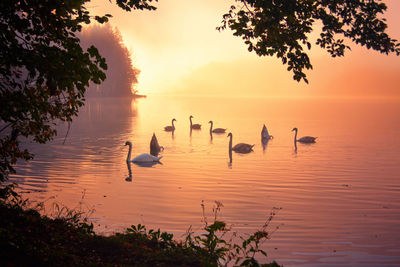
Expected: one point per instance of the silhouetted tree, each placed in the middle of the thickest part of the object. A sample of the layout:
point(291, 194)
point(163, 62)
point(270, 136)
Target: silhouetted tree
point(282, 28)
point(121, 76)
point(43, 70)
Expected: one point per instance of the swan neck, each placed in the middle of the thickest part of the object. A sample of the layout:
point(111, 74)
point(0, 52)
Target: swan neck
point(190, 121)
point(128, 158)
point(173, 127)
point(211, 126)
point(295, 135)
point(230, 143)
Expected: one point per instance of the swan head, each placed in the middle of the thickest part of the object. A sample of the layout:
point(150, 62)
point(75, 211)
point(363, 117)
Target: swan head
point(210, 122)
point(190, 117)
point(128, 143)
point(173, 119)
point(294, 129)
point(229, 135)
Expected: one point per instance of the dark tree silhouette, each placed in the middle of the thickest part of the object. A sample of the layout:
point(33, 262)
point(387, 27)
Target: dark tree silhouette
point(282, 28)
point(121, 76)
point(44, 72)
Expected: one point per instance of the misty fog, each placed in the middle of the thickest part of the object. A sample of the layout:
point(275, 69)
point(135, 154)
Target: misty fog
point(121, 74)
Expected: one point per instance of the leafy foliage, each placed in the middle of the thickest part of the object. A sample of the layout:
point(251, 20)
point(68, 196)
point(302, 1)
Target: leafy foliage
point(43, 70)
point(221, 249)
point(128, 5)
point(282, 28)
point(28, 238)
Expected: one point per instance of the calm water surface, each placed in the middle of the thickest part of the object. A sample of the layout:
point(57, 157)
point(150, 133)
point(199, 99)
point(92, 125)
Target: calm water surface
point(340, 197)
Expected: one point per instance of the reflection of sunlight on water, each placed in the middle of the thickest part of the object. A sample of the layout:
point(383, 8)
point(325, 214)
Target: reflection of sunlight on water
point(133, 106)
point(332, 191)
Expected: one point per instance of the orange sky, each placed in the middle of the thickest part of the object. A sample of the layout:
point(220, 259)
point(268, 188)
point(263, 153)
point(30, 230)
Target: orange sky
point(179, 51)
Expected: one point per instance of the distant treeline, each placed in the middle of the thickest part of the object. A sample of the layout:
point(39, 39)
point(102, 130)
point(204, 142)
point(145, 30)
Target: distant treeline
point(121, 75)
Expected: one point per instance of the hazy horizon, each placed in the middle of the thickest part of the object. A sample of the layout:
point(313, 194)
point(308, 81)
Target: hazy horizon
point(181, 52)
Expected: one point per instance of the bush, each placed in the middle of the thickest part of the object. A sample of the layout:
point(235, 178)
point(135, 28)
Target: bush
point(28, 238)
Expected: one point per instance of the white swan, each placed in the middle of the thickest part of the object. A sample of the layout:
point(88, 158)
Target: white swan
point(216, 130)
point(265, 134)
point(155, 147)
point(142, 157)
point(239, 148)
point(170, 128)
point(304, 139)
point(195, 126)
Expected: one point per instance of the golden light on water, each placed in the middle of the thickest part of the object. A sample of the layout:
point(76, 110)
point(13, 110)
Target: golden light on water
point(339, 195)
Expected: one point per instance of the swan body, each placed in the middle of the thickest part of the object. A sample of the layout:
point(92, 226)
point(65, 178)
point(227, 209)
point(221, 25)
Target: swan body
point(216, 130)
point(241, 147)
point(265, 134)
point(195, 126)
point(155, 147)
point(147, 164)
point(170, 128)
point(304, 139)
point(142, 157)
point(146, 158)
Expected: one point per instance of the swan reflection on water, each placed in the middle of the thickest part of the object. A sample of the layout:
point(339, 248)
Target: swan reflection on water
point(140, 164)
point(129, 178)
point(264, 143)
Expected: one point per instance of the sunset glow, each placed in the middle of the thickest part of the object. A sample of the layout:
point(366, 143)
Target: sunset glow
point(179, 51)
point(153, 139)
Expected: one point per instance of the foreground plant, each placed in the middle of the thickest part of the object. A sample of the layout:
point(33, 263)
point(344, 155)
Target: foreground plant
point(28, 238)
point(217, 245)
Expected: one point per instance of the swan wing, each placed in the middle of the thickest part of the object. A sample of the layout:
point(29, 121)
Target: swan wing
point(307, 139)
point(219, 130)
point(196, 126)
point(147, 164)
point(243, 148)
point(146, 158)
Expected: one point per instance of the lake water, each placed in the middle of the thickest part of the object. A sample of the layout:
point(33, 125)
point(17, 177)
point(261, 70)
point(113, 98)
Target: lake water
point(340, 197)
